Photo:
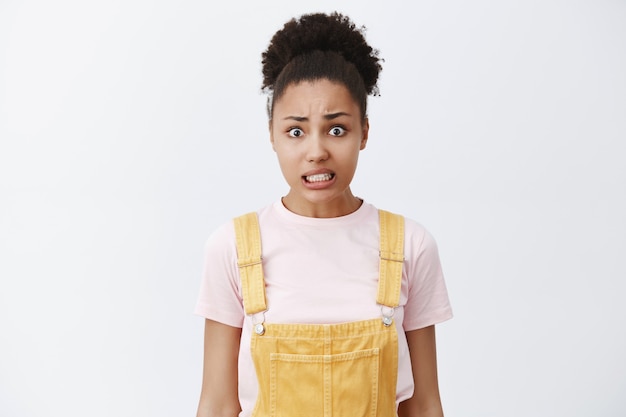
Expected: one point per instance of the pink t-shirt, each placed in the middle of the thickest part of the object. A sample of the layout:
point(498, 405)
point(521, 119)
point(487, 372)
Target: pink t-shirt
point(322, 271)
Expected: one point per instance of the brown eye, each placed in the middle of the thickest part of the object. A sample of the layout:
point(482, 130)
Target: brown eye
point(295, 132)
point(337, 131)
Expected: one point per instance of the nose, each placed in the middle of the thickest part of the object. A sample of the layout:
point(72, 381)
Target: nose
point(316, 149)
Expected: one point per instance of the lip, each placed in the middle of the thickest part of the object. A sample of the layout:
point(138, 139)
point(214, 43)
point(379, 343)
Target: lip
point(317, 171)
point(319, 184)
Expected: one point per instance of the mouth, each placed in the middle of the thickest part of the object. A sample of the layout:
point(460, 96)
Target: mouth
point(327, 176)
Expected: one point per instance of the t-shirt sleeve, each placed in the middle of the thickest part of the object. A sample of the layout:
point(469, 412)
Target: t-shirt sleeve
point(219, 298)
point(428, 301)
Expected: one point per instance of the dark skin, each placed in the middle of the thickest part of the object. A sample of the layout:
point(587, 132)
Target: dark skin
point(219, 396)
point(426, 401)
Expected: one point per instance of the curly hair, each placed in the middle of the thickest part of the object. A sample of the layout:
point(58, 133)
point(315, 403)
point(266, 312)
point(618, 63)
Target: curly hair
point(321, 46)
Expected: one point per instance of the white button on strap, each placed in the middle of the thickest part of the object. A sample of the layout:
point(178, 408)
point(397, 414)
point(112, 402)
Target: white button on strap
point(387, 313)
point(259, 329)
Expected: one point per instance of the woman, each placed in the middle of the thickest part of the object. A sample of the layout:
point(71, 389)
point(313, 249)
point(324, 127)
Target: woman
point(320, 304)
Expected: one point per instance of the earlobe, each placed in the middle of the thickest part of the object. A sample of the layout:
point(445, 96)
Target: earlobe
point(366, 129)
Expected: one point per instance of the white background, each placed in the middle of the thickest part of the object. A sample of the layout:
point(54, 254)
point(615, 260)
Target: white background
point(131, 129)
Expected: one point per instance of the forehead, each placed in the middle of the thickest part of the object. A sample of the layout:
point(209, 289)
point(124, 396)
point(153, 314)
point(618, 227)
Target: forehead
point(318, 96)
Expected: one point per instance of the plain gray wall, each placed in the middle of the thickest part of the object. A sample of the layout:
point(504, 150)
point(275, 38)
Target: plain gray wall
point(131, 129)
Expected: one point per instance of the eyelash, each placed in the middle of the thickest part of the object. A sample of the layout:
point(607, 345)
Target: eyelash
point(343, 130)
point(292, 129)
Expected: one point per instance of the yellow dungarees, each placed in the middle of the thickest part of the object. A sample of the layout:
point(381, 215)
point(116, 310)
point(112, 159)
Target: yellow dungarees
point(324, 370)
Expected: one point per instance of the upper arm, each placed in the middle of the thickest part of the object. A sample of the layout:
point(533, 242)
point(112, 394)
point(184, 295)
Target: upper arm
point(426, 400)
point(427, 298)
point(219, 396)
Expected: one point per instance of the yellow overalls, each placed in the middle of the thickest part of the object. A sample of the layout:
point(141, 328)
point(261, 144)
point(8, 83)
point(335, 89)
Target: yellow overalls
point(324, 370)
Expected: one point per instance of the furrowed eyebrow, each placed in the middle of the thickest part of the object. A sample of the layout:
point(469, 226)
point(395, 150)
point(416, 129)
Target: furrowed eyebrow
point(330, 116)
point(297, 118)
point(335, 115)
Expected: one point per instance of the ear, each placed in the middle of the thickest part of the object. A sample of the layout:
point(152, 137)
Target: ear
point(271, 134)
point(366, 130)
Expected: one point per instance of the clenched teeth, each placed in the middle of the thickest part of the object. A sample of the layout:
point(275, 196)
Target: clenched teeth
point(318, 177)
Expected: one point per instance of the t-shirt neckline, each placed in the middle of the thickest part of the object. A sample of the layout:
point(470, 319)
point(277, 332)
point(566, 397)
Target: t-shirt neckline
point(289, 216)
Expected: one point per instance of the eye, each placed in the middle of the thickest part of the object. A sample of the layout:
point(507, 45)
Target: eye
point(337, 131)
point(295, 132)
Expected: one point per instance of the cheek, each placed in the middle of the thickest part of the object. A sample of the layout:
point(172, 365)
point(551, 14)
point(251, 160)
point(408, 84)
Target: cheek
point(286, 160)
point(354, 152)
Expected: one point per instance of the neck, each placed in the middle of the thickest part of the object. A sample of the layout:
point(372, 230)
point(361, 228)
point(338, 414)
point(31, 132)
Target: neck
point(341, 207)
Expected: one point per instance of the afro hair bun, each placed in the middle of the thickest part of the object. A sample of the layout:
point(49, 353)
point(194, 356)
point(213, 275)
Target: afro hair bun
point(325, 32)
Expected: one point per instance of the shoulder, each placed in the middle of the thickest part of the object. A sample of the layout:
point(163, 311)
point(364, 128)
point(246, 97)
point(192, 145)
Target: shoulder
point(418, 241)
point(224, 233)
point(414, 231)
point(220, 246)
point(223, 238)
point(418, 236)
point(226, 230)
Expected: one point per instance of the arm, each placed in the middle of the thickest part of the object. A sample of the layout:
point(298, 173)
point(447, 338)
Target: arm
point(425, 401)
point(219, 396)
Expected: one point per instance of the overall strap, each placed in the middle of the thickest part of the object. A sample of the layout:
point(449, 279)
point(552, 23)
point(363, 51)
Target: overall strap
point(391, 258)
point(248, 238)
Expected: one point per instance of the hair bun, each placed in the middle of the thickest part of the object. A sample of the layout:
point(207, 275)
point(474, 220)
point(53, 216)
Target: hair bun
point(319, 31)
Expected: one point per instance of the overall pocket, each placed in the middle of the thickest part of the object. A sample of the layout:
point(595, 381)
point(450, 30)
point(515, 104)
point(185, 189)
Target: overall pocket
point(338, 385)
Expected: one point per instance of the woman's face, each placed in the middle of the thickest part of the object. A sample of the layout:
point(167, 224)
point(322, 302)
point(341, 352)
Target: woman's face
point(317, 133)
